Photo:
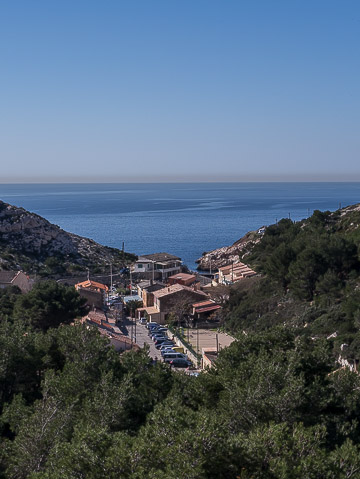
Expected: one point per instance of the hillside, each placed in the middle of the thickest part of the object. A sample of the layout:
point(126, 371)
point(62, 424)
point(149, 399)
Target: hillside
point(310, 280)
point(275, 405)
point(228, 254)
point(31, 243)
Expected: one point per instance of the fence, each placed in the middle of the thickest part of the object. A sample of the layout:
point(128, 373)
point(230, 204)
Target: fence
point(181, 341)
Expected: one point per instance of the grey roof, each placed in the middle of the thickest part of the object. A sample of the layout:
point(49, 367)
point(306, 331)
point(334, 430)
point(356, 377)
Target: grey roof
point(161, 257)
point(155, 287)
point(134, 297)
point(7, 276)
point(149, 284)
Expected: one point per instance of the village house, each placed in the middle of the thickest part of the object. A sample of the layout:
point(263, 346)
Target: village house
point(205, 311)
point(94, 293)
point(182, 278)
point(234, 272)
point(15, 278)
point(208, 357)
point(172, 299)
point(156, 266)
point(146, 290)
point(108, 329)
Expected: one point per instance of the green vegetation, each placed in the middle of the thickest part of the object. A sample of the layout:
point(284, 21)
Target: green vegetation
point(310, 279)
point(72, 407)
point(277, 405)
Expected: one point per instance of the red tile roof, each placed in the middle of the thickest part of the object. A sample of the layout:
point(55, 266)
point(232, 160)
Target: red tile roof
point(174, 288)
point(91, 284)
point(214, 307)
point(203, 303)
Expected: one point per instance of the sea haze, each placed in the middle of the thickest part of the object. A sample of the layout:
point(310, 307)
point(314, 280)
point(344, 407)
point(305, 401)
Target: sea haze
point(184, 219)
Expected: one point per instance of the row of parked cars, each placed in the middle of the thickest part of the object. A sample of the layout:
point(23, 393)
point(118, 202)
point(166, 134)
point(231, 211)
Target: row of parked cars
point(169, 351)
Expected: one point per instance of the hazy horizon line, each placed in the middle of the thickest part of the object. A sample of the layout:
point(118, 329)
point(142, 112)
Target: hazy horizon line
point(318, 178)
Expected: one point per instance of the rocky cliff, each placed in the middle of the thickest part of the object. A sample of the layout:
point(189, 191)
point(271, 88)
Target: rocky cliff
point(228, 254)
point(28, 239)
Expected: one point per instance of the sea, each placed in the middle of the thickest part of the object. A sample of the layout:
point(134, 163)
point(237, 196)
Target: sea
point(184, 219)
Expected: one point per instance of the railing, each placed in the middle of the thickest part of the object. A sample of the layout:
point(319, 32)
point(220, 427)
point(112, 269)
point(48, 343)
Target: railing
point(178, 334)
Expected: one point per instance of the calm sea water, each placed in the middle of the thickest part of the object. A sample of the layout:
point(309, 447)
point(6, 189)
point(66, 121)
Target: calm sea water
point(182, 219)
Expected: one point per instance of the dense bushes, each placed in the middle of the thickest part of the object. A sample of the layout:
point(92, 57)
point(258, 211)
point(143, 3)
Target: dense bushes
point(273, 408)
point(310, 280)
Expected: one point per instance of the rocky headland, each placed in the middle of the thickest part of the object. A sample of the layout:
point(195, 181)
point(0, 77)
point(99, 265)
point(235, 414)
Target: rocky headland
point(212, 260)
point(28, 241)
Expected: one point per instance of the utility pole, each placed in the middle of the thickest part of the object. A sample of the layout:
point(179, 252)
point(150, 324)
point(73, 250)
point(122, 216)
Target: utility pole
point(210, 266)
point(111, 282)
point(197, 343)
point(232, 272)
point(131, 328)
point(130, 283)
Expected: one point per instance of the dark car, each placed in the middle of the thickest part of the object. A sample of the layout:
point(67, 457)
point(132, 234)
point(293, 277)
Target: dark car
point(152, 325)
point(160, 341)
point(167, 349)
point(180, 363)
point(156, 336)
point(157, 330)
point(163, 343)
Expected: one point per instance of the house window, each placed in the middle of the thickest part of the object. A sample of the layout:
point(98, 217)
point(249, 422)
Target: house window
point(140, 266)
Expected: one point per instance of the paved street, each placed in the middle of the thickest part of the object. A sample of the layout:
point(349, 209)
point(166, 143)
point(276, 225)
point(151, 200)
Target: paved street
point(140, 335)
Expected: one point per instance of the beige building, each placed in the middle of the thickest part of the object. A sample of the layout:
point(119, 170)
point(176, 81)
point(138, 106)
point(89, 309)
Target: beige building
point(146, 289)
point(171, 299)
point(234, 272)
point(156, 266)
point(15, 278)
point(175, 298)
point(93, 292)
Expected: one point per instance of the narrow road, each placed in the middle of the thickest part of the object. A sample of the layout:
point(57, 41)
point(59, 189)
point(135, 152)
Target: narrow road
point(139, 334)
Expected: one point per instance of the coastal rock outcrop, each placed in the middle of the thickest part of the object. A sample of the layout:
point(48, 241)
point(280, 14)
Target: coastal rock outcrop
point(212, 260)
point(26, 236)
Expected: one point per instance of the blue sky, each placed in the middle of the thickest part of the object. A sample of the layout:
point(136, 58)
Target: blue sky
point(179, 90)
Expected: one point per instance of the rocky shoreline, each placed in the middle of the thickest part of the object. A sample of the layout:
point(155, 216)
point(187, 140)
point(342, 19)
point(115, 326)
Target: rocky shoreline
point(212, 260)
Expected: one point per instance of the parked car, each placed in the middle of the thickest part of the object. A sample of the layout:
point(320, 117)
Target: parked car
point(151, 325)
point(164, 343)
point(180, 363)
point(159, 342)
point(172, 355)
point(165, 349)
point(158, 329)
point(142, 321)
point(170, 345)
point(164, 339)
point(159, 335)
